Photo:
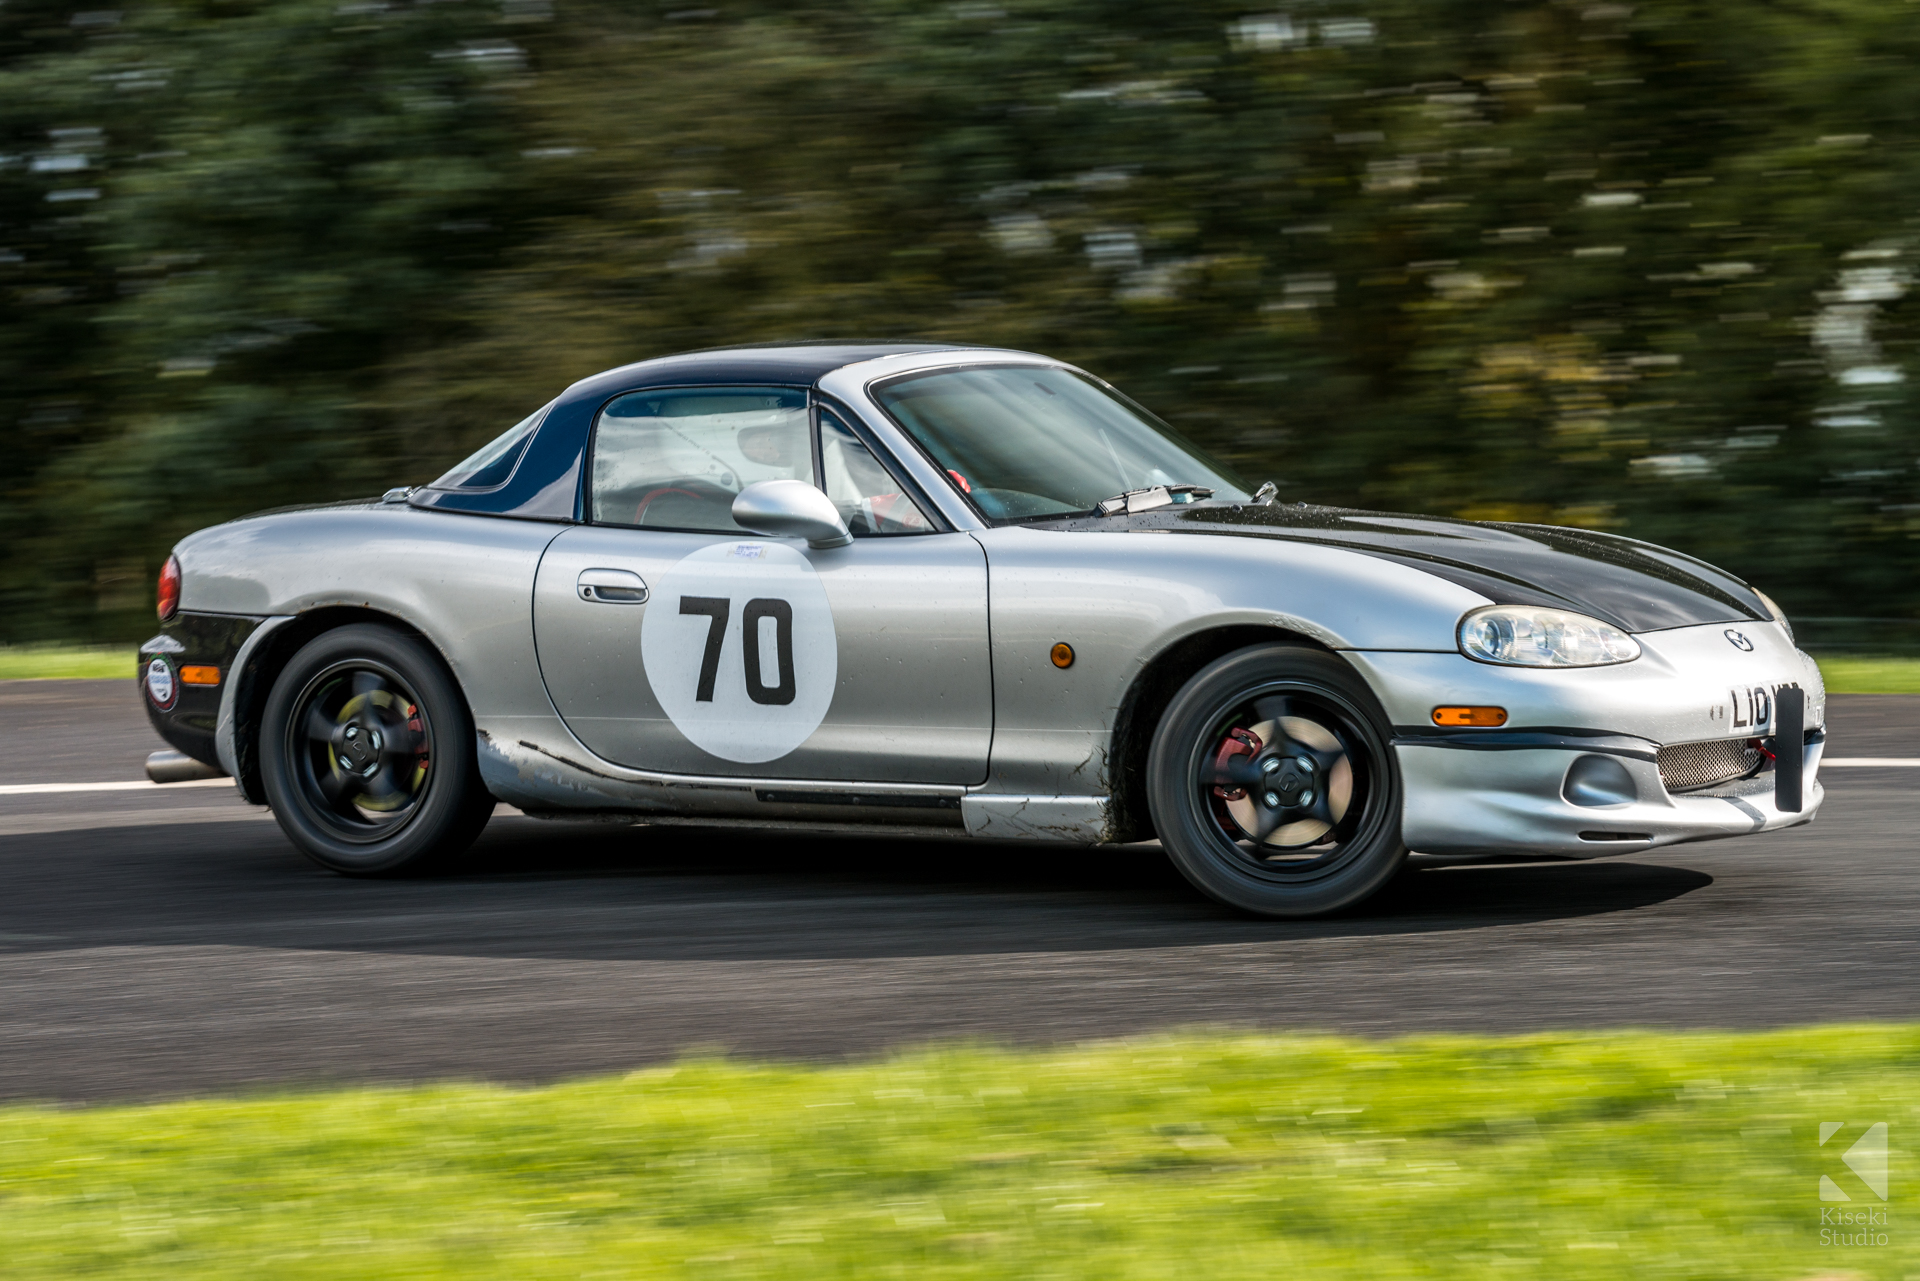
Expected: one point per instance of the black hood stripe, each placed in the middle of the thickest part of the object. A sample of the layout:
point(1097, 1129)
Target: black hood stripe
point(1633, 585)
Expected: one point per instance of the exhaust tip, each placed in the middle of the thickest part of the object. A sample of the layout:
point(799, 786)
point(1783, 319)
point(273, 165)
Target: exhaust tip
point(178, 767)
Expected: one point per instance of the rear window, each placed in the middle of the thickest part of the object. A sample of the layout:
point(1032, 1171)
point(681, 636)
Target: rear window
point(491, 464)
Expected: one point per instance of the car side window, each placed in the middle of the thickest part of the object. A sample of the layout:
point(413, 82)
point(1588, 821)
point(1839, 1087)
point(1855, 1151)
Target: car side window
point(676, 458)
point(870, 500)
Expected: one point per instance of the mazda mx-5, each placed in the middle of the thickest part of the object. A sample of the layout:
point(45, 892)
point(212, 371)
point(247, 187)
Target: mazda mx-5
point(956, 591)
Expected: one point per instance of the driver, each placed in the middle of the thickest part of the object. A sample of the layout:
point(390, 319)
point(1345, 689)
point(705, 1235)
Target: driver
point(772, 445)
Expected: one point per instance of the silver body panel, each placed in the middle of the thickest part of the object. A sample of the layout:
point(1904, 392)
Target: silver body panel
point(1462, 803)
point(1075, 819)
point(1121, 599)
point(465, 583)
point(946, 713)
point(913, 695)
point(1677, 691)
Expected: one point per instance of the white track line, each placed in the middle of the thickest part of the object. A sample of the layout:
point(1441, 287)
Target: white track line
point(48, 789)
point(1878, 762)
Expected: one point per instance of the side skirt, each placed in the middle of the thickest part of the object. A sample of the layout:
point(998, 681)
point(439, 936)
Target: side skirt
point(567, 782)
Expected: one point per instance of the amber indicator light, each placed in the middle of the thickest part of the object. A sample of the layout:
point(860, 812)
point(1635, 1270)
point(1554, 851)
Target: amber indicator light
point(199, 676)
point(1478, 717)
point(1063, 655)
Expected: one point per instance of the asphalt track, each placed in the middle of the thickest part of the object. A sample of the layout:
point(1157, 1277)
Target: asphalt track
point(167, 941)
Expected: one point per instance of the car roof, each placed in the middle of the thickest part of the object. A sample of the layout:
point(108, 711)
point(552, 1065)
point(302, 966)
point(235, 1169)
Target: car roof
point(790, 364)
point(545, 485)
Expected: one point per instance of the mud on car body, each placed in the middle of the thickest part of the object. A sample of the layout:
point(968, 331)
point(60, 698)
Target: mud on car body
point(965, 591)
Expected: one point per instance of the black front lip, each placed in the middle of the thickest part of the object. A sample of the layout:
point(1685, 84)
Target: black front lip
point(1559, 737)
point(1636, 586)
point(1563, 738)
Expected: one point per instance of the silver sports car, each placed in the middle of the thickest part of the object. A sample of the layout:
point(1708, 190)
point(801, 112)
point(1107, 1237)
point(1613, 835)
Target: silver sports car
point(963, 591)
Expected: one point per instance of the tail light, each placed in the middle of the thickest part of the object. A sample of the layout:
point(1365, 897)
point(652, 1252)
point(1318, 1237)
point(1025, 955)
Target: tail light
point(169, 589)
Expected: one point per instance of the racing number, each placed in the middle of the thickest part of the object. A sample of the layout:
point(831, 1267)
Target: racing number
point(782, 615)
point(717, 608)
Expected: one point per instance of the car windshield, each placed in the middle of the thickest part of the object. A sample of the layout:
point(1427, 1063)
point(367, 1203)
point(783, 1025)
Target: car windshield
point(1030, 442)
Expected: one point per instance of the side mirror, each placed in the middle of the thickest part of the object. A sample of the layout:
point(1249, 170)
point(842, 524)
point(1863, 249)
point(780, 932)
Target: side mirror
point(791, 509)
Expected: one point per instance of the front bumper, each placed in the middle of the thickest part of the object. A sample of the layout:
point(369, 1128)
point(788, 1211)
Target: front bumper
point(1464, 801)
point(1507, 790)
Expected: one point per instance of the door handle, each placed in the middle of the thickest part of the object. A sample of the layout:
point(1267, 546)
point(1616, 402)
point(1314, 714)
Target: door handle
point(612, 587)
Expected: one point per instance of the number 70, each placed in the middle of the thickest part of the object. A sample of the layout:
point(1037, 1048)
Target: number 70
point(717, 608)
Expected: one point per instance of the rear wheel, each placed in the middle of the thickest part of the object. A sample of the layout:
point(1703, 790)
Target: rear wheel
point(367, 754)
point(1272, 785)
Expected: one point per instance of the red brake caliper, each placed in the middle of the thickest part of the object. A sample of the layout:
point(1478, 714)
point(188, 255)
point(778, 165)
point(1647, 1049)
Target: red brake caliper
point(1238, 742)
point(419, 730)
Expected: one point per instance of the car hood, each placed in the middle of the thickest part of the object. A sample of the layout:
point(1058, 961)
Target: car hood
point(1631, 584)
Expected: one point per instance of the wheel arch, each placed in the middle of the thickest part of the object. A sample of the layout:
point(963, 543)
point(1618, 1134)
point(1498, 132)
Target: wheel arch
point(1146, 699)
point(272, 655)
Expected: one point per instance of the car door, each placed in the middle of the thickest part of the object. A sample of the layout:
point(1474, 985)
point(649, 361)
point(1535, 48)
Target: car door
point(670, 639)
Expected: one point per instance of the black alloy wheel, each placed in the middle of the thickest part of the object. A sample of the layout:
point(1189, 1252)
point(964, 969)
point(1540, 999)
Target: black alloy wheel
point(367, 754)
point(1273, 786)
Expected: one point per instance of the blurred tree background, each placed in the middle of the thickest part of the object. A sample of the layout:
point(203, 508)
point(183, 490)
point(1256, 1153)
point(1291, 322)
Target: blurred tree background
point(1642, 267)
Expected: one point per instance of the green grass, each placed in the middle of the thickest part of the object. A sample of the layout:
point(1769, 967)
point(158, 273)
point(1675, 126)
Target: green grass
point(65, 662)
point(1871, 675)
point(1567, 1156)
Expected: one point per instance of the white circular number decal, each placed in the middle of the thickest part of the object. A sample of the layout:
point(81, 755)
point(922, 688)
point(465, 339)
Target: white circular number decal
point(739, 648)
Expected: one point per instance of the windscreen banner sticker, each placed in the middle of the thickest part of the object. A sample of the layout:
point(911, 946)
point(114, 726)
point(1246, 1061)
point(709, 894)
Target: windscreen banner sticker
point(739, 647)
point(162, 686)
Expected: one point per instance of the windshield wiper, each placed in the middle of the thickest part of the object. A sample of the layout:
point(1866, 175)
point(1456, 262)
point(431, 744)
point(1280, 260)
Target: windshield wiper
point(1140, 500)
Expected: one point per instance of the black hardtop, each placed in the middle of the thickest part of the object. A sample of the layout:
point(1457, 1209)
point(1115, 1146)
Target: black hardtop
point(546, 483)
point(794, 364)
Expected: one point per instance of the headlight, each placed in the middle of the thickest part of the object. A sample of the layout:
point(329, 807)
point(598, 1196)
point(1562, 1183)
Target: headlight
point(1522, 636)
point(1779, 615)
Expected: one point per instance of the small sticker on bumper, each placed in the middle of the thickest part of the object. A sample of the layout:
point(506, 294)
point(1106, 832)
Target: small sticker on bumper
point(163, 688)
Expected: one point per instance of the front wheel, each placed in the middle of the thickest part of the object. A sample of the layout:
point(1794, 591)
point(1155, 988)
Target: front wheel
point(1272, 784)
point(367, 754)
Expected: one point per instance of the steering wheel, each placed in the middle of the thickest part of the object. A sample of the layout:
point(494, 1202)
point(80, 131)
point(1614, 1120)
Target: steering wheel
point(687, 487)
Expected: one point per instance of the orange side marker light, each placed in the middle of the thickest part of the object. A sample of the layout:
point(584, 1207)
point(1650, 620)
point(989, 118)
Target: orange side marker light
point(1477, 717)
point(199, 675)
point(1063, 655)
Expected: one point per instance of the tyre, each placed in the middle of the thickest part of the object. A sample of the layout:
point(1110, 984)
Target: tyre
point(367, 754)
point(1273, 786)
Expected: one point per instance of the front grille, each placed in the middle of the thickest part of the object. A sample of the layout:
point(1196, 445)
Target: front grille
point(1688, 767)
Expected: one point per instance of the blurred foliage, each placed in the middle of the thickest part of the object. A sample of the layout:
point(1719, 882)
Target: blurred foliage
point(1597, 1155)
point(1648, 268)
